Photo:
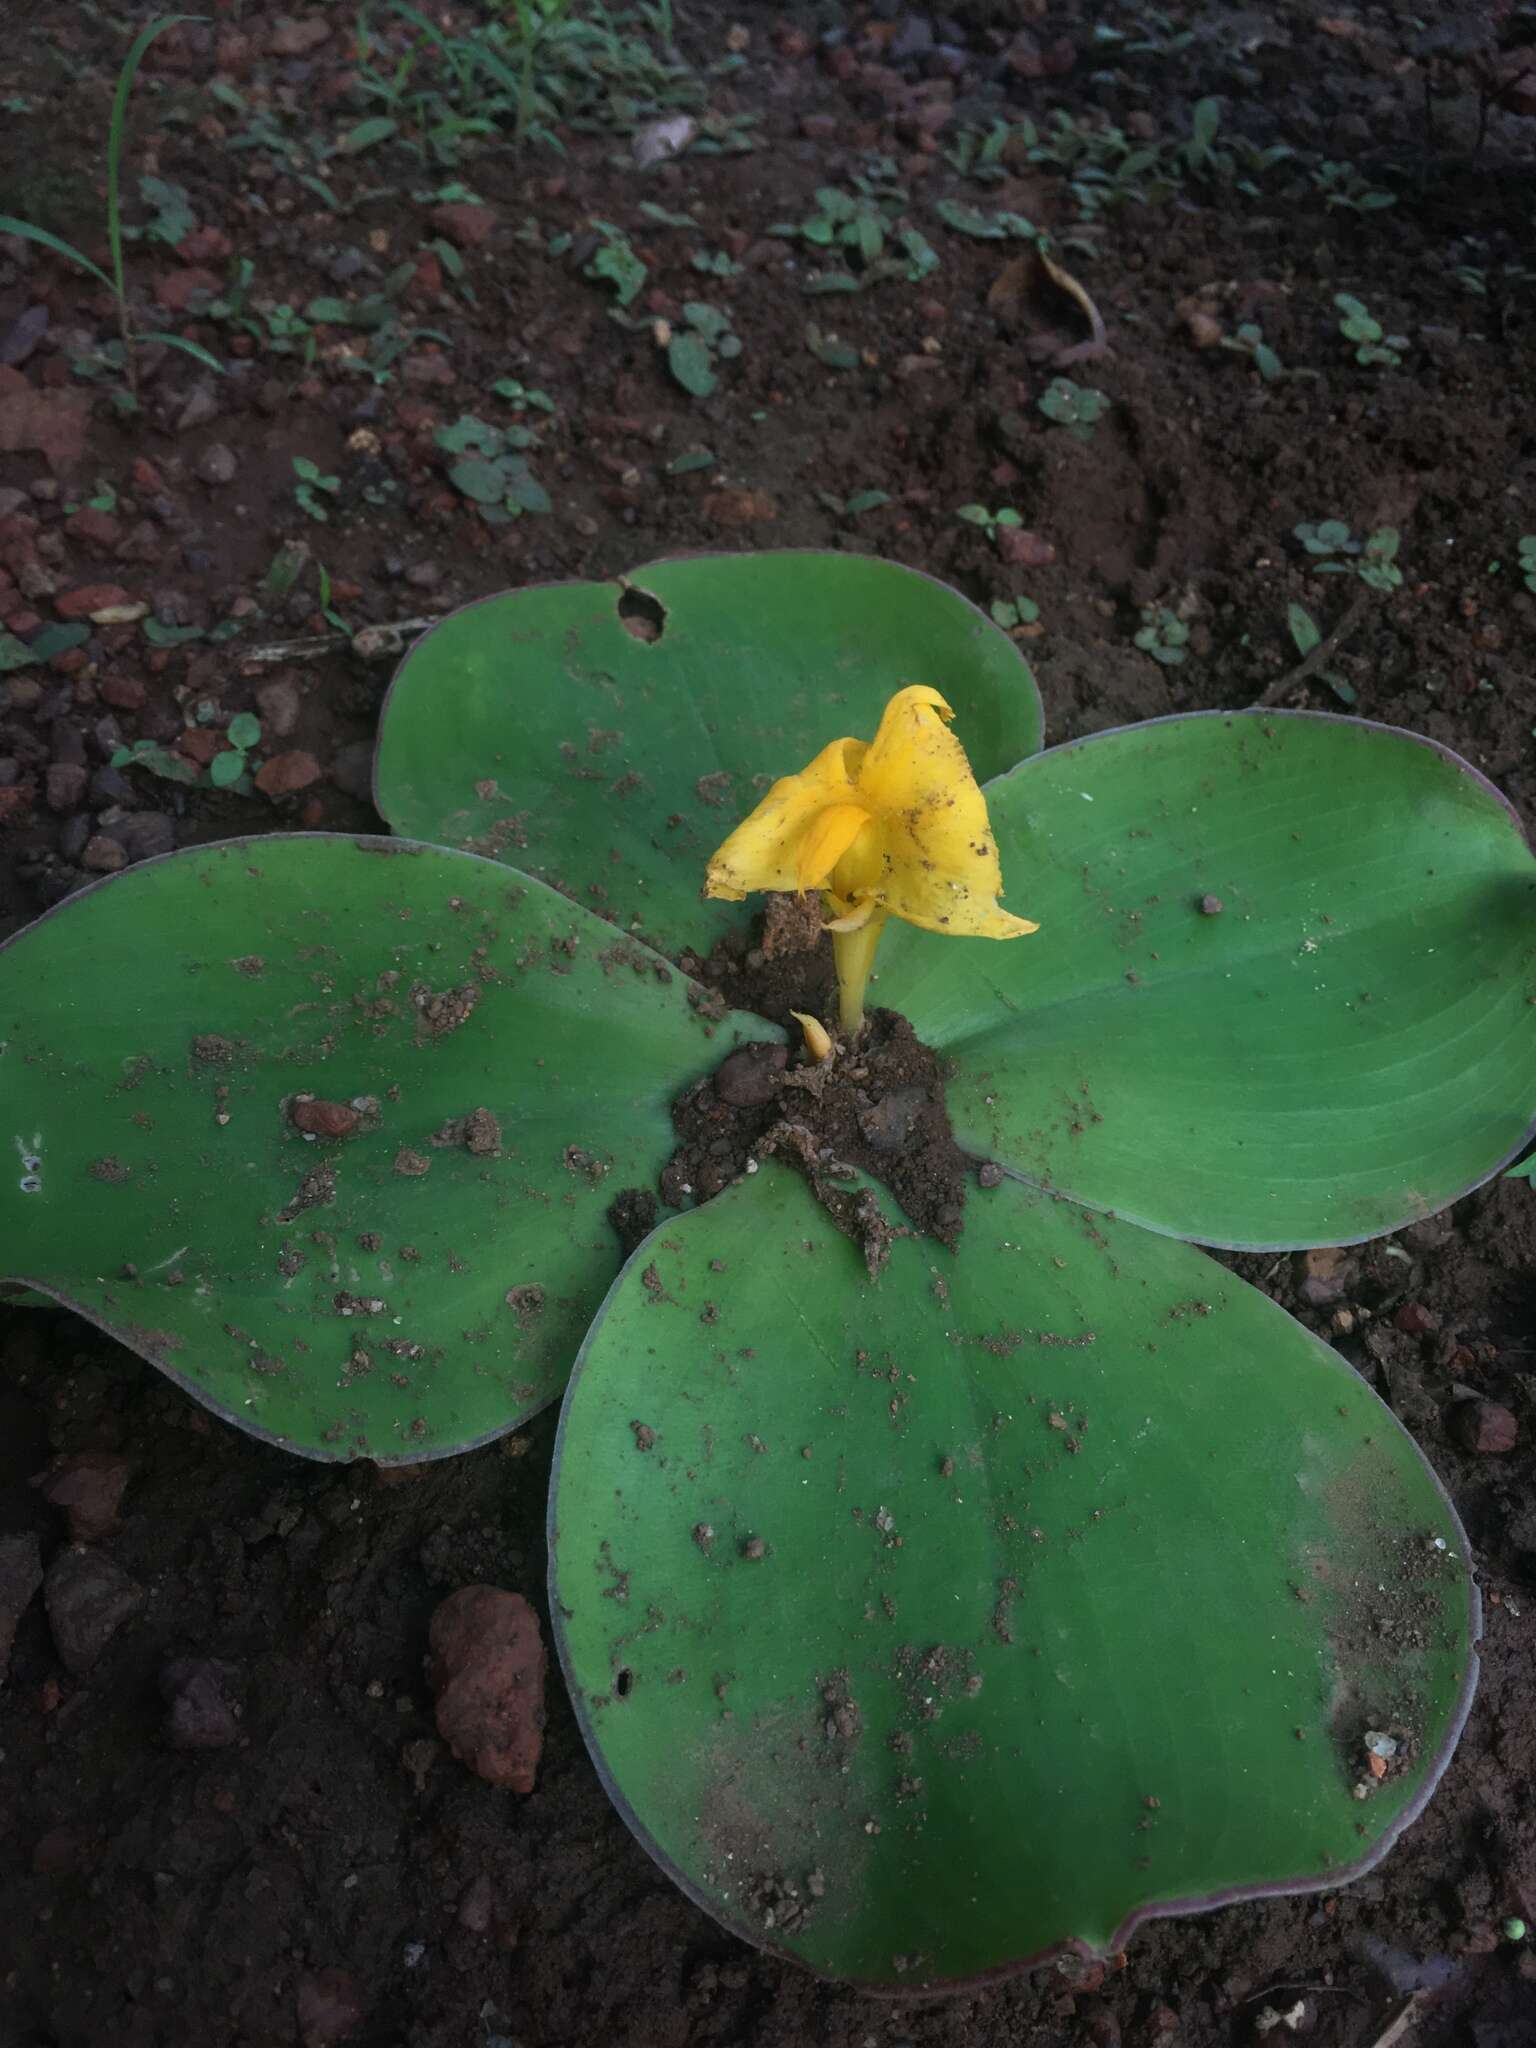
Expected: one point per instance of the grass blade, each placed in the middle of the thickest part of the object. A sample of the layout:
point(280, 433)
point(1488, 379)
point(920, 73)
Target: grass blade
point(9, 225)
point(190, 348)
point(116, 126)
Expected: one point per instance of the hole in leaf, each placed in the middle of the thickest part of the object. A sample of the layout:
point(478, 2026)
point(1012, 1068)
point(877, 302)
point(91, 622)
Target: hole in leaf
point(642, 615)
point(624, 1683)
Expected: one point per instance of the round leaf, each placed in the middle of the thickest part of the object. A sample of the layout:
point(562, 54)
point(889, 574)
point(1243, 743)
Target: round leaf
point(688, 359)
point(403, 1264)
point(479, 479)
point(921, 1626)
point(537, 728)
point(1281, 992)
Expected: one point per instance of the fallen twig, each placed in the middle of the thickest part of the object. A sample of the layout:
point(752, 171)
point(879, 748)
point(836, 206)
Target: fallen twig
point(369, 643)
point(1399, 2024)
point(1324, 651)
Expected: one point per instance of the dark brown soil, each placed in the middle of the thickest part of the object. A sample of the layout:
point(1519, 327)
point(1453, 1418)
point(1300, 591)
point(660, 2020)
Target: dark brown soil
point(874, 1107)
point(235, 1823)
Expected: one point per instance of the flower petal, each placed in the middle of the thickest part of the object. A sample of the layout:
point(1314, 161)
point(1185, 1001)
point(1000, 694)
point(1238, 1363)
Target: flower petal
point(765, 849)
point(829, 837)
point(940, 865)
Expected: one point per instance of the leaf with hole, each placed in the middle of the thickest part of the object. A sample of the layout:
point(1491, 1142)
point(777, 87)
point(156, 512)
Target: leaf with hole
point(891, 1610)
point(570, 737)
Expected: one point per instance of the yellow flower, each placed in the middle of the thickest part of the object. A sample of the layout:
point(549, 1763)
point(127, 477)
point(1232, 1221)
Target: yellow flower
point(893, 828)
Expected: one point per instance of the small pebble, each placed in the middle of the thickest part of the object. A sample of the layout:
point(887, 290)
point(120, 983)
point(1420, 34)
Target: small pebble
point(1487, 1428)
point(218, 464)
point(1211, 906)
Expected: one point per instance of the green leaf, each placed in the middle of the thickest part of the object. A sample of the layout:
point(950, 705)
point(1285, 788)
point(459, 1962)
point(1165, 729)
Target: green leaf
point(58, 638)
point(479, 479)
point(346, 1297)
point(628, 761)
point(14, 654)
point(1207, 120)
point(617, 263)
point(194, 349)
point(1344, 1047)
point(866, 501)
point(696, 458)
point(9, 225)
point(688, 358)
point(468, 432)
point(826, 348)
point(330, 312)
point(226, 769)
point(524, 489)
point(892, 1612)
point(1304, 629)
point(244, 729)
point(366, 135)
point(158, 760)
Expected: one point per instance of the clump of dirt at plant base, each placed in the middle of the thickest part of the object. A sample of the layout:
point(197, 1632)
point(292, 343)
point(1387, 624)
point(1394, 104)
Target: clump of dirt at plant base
point(875, 1107)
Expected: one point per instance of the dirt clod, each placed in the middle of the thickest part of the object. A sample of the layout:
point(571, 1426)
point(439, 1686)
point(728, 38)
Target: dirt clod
point(486, 1667)
point(319, 1119)
point(21, 1573)
point(88, 1599)
point(203, 1702)
point(1485, 1427)
point(88, 1487)
point(876, 1107)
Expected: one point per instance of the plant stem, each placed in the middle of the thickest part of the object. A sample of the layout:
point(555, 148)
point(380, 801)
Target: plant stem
point(1325, 650)
point(854, 954)
point(115, 131)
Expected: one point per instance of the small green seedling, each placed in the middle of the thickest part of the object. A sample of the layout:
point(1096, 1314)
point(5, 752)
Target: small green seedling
point(1338, 553)
point(983, 226)
point(1527, 553)
point(1373, 347)
point(1344, 185)
point(311, 483)
point(1249, 341)
point(491, 470)
point(1013, 612)
point(715, 263)
point(521, 397)
point(243, 734)
point(850, 508)
point(696, 347)
point(1306, 636)
point(830, 348)
point(989, 522)
point(616, 262)
point(1163, 635)
point(1077, 407)
point(865, 229)
point(124, 356)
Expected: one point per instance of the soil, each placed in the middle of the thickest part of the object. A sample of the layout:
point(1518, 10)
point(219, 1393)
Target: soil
point(226, 1816)
point(874, 1107)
